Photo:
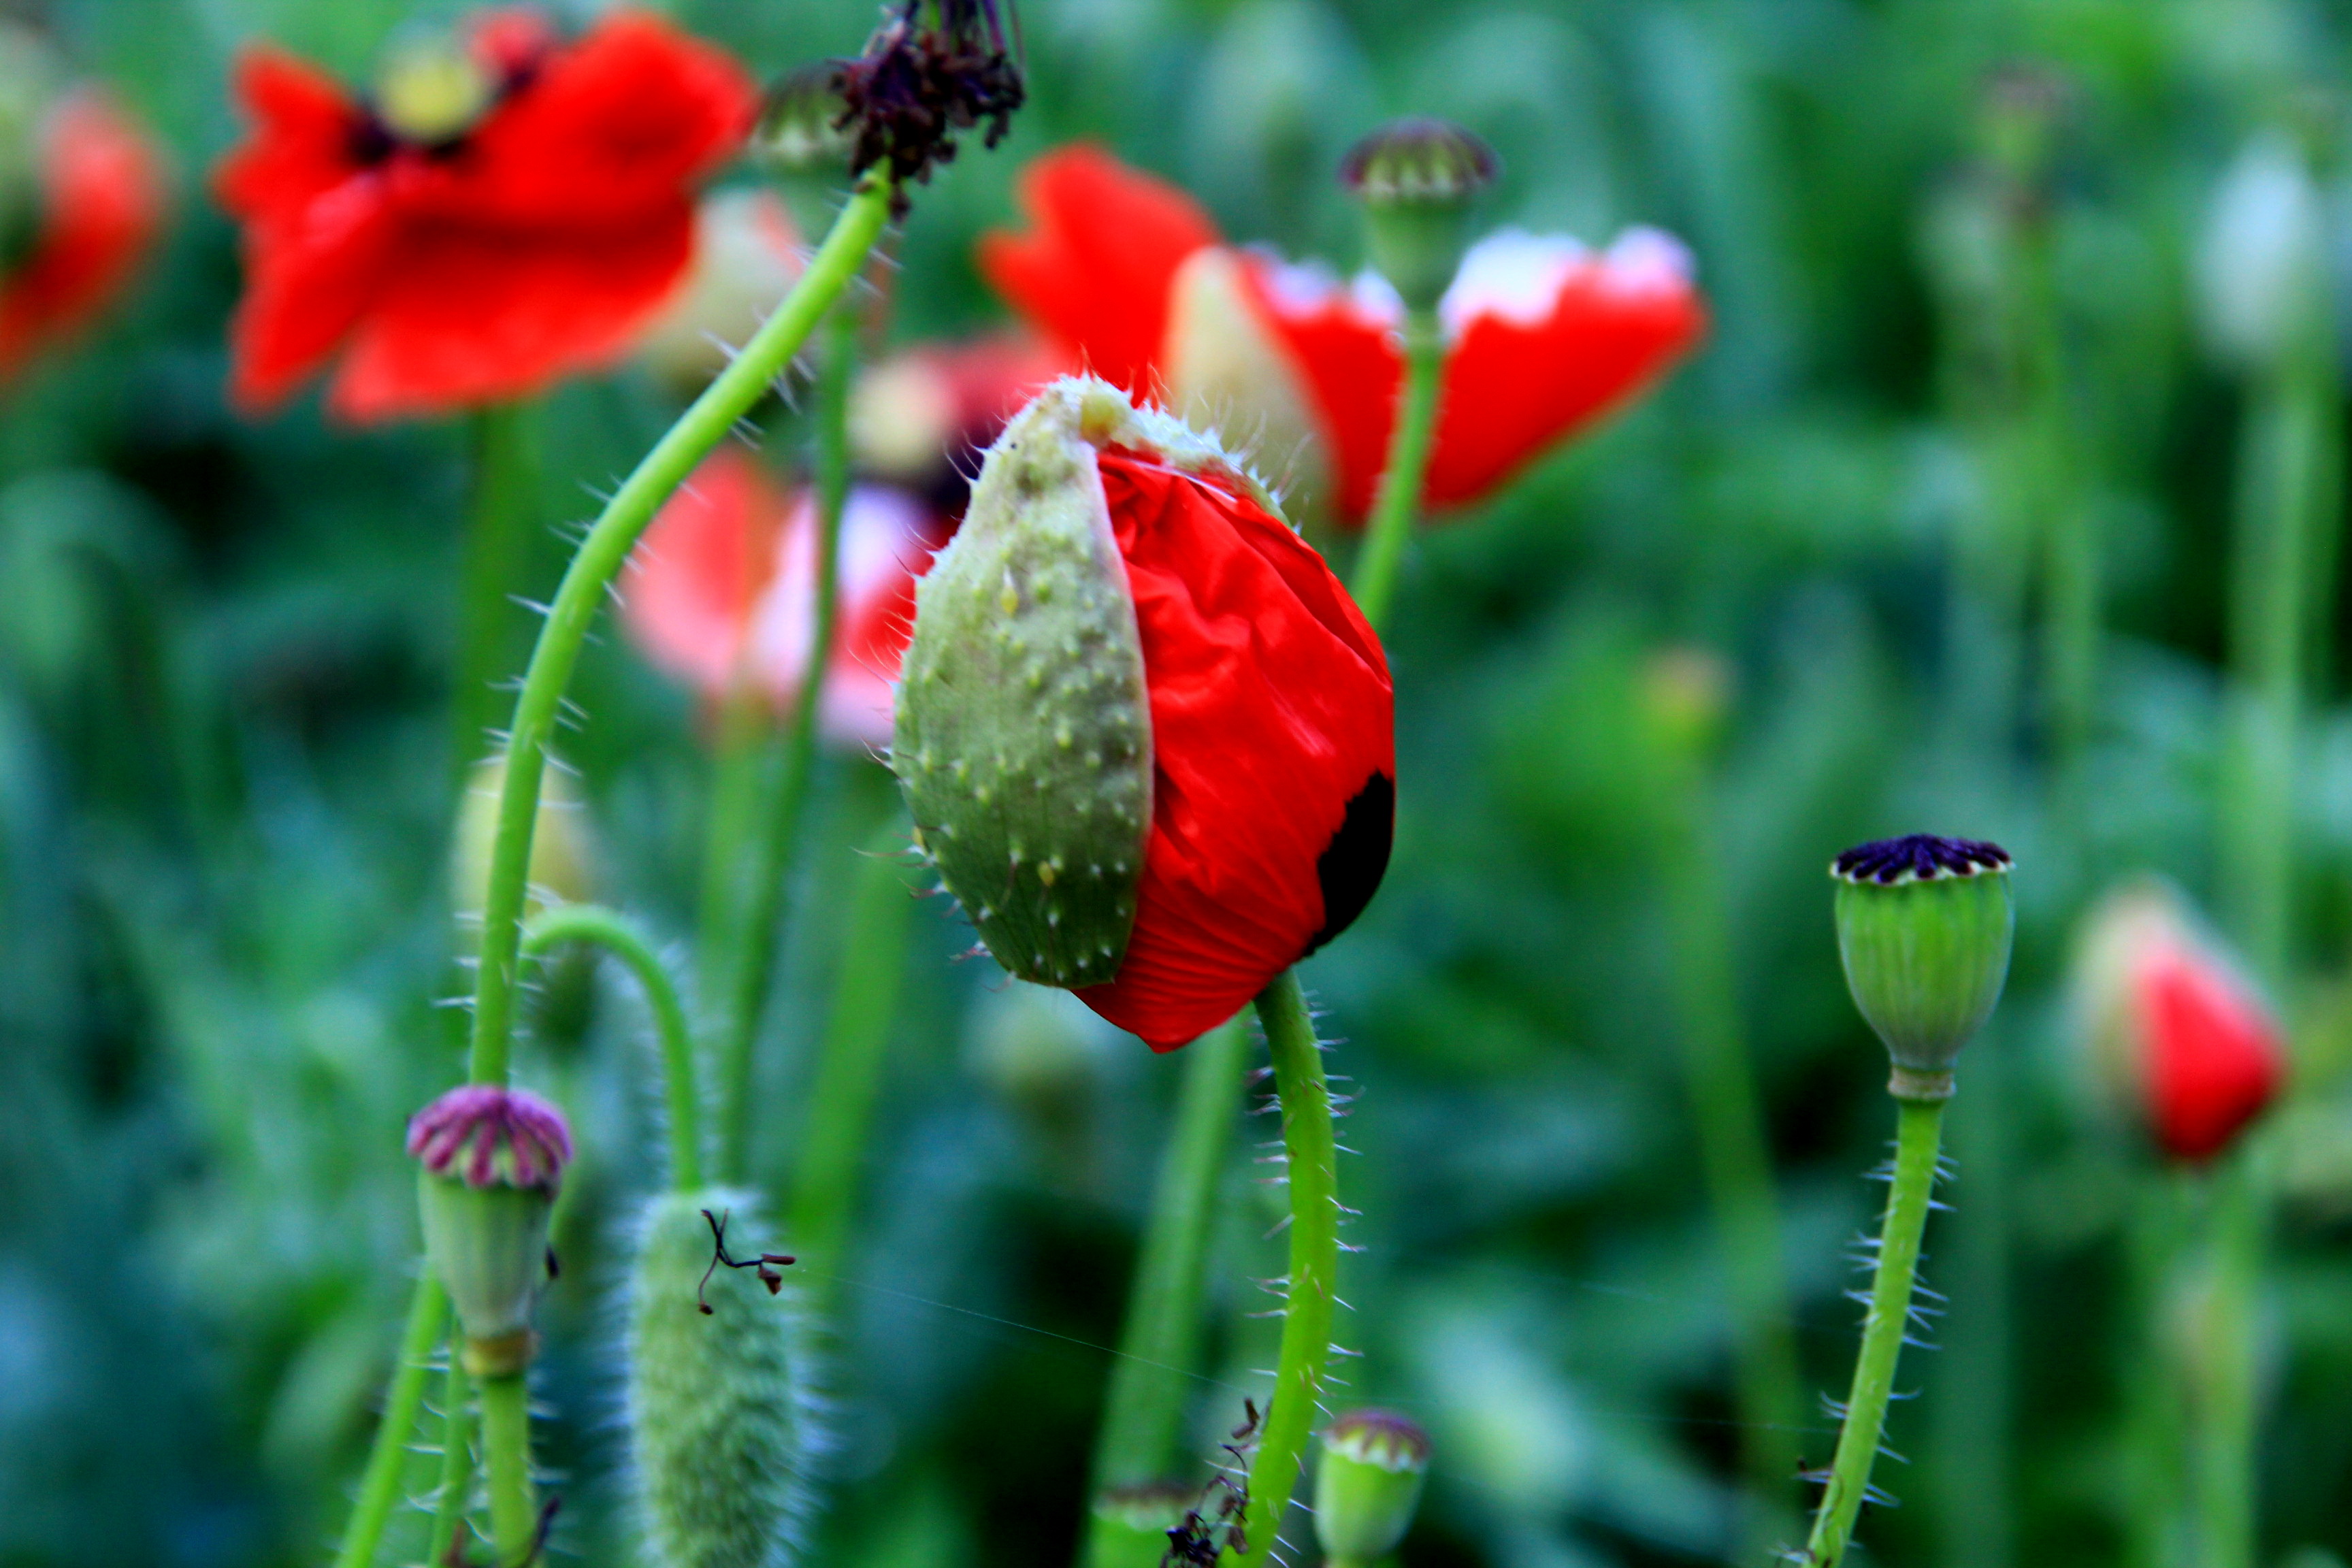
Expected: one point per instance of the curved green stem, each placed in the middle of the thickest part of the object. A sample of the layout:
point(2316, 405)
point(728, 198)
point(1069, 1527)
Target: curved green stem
point(454, 1494)
point(590, 577)
point(506, 1463)
point(849, 1057)
point(1157, 1347)
point(755, 937)
point(625, 941)
point(428, 1310)
point(1408, 463)
point(1312, 1293)
point(497, 546)
point(1918, 1131)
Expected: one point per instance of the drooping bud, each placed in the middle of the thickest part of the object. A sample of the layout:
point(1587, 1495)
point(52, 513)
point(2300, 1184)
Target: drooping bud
point(723, 1428)
point(2178, 1031)
point(1146, 738)
point(800, 124)
point(1924, 927)
point(430, 90)
point(1133, 1522)
point(1418, 180)
point(1367, 1482)
point(490, 1161)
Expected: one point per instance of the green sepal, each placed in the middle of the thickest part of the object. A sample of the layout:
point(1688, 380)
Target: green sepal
point(488, 1246)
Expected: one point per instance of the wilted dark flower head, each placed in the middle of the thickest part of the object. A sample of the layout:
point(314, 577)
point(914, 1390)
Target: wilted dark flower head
point(934, 68)
point(485, 1136)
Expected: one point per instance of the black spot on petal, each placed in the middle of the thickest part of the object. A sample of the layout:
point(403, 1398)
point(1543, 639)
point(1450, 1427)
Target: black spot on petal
point(1351, 867)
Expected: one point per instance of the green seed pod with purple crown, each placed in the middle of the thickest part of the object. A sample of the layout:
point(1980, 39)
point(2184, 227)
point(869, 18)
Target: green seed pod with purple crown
point(1924, 927)
point(1367, 1482)
point(490, 1160)
point(1418, 180)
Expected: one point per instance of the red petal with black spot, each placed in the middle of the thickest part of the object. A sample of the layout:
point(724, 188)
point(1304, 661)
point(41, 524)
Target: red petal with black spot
point(1274, 751)
point(532, 247)
point(101, 202)
point(2214, 1059)
point(1094, 271)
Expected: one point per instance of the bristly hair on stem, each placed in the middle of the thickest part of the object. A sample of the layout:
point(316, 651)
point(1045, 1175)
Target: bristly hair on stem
point(933, 68)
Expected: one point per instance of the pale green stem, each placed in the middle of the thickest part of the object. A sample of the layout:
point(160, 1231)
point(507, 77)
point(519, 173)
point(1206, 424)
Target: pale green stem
point(428, 1309)
point(1408, 463)
point(1917, 1132)
point(625, 941)
point(848, 1080)
point(1974, 1412)
point(590, 577)
point(747, 720)
point(756, 936)
point(2221, 1405)
point(1311, 1293)
point(506, 1463)
point(1144, 1411)
point(456, 1492)
point(497, 546)
point(1733, 1150)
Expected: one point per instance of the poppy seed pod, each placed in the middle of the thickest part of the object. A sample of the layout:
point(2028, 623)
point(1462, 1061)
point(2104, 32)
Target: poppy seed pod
point(722, 1427)
point(1135, 1521)
point(1924, 926)
point(1367, 1484)
point(1146, 739)
point(490, 1160)
point(1418, 179)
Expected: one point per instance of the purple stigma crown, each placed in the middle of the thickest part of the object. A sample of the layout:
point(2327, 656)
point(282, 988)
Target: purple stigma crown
point(487, 1136)
point(1918, 858)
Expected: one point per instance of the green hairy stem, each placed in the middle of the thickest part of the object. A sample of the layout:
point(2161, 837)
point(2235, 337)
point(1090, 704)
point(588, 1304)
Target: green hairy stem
point(625, 941)
point(454, 1493)
point(1408, 463)
point(1311, 1295)
point(428, 1310)
point(1918, 1132)
point(506, 1463)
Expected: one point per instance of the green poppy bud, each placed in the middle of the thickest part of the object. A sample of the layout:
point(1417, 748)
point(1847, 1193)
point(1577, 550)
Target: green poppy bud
point(1418, 180)
point(1924, 927)
point(1367, 1485)
point(721, 1423)
point(1134, 1523)
point(490, 1160)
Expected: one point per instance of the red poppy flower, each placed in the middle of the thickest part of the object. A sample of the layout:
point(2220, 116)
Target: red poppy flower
point(2213, 1056)
point(1271, 753)
point(101, 201)
point(1544, 336)
point(454, 267)
point(725, 579)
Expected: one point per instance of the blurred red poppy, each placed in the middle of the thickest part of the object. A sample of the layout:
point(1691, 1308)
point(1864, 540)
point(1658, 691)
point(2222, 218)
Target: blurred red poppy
point(725, 580)
point(101, 201)
point(2213, 1057)
point(458, 258)
point(1544, 336)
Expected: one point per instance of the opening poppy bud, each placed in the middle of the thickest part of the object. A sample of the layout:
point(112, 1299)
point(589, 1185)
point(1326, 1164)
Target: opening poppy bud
point(492, 1160)
point(2177, 1029)
point(801, 123)
point(1136, 1520)
point(1924, 926)
point(1147, 740)
point(1367, 1484)
point(1418, 179)
point(431, 91)
point(722, 1423)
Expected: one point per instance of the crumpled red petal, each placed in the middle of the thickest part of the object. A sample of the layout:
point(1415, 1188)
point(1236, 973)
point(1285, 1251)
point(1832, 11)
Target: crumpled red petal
point(103, 200)
point(2214, 1058)
point(534, 250)
point(1094, 270)
point(1272, 730)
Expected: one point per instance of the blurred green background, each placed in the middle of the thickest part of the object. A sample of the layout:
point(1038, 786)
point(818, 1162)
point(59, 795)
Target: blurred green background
point(226, 655)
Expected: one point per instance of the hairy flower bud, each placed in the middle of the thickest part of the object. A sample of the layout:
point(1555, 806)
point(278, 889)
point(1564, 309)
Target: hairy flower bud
point(1418, 180)
point(1924, 927)
point(1367, 1482)
point(490, 1160)
point(1146, 738)
point(722, 1429)
point(2178, 1032)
